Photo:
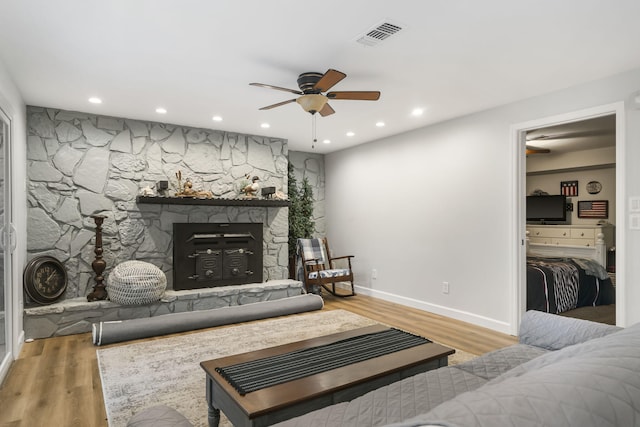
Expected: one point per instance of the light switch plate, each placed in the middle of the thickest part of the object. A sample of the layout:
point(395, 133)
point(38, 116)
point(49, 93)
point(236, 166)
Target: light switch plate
point(634, 204)
point(634, 222)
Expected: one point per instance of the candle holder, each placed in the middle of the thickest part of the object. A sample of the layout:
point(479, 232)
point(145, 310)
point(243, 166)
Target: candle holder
point(98, 265)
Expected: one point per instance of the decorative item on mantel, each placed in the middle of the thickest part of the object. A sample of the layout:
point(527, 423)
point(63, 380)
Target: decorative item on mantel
point(268, 192)
point(250, 190)
point(98, 265)
point(147, 191)
point(186, 189)
point(162, 187)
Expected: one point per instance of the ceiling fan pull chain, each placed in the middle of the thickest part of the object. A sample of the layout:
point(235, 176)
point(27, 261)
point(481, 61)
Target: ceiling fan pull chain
point(313, 131)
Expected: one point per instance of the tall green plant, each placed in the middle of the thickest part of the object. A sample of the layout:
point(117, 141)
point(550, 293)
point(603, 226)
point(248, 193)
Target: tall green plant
point(301, 225)
point(307, 225)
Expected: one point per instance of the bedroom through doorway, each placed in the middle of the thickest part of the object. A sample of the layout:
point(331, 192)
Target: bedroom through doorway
point(570, 159)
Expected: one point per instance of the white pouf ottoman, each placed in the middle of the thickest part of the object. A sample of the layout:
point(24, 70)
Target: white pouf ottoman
point(136, 283)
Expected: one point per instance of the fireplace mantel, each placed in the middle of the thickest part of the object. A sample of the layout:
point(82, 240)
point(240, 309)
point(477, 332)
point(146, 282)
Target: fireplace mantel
point(269, 203)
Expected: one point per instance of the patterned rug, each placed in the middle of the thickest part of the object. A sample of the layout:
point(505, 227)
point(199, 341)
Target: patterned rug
point(167, 371)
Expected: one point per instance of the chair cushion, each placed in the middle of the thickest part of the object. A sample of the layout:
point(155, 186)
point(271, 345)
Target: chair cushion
point(324, 274)
point(312, 249)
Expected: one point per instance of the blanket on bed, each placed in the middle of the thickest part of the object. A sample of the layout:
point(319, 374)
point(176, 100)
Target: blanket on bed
point(556, 285)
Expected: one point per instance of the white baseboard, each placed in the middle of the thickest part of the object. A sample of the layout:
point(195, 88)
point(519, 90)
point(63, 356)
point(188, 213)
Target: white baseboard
point(5, 364)
point(18, 347)
point(464, 316)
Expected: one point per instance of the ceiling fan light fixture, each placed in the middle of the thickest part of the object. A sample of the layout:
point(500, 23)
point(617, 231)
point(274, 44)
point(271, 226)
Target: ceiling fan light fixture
point(312, 103)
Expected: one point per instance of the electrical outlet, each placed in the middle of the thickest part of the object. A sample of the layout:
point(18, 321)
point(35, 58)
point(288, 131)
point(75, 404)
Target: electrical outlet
point(445, 287)
point(374, 274)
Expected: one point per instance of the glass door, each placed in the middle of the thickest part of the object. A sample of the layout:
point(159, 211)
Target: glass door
point(6, 237)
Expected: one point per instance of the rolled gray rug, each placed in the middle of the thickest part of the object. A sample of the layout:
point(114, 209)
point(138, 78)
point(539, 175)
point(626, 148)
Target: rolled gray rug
point(124, 330)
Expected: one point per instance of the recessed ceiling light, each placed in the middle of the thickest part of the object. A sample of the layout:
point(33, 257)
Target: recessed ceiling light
point(380, 124)
point(327, 141)
point(417, 112)
point(161, 110)
point(216, 118)
point(350, 133)
point(265, 125)
point(95, 100)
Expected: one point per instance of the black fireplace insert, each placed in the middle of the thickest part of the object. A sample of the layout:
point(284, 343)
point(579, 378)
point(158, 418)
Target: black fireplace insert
point(207, 255)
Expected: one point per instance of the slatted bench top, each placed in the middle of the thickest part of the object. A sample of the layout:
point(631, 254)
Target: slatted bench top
point(283, 401)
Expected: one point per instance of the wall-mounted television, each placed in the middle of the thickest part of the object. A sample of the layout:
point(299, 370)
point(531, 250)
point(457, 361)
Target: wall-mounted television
point(547, 208)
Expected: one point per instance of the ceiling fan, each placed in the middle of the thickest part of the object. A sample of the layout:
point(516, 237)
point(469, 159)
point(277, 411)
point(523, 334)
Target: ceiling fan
point(312, 85)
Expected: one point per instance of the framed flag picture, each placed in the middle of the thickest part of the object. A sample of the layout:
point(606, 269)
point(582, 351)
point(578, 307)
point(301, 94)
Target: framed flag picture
point(596, 209)
point(569, 188)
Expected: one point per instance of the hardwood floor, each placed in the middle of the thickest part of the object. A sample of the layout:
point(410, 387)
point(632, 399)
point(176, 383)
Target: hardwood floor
point(56, 382)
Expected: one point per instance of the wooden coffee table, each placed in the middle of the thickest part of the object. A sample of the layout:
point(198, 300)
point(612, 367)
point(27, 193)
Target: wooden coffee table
point(283, 401)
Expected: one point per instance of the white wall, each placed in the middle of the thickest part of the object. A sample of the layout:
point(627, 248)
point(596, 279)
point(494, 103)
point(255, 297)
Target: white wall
point(12, 103)
point(436, 204)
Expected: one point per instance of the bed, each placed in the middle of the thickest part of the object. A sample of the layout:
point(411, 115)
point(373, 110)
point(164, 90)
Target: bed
point(561, 278)
point(559, 284)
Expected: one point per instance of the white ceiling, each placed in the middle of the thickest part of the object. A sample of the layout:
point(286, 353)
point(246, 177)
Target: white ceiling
point(580, 135)
point(196, 58)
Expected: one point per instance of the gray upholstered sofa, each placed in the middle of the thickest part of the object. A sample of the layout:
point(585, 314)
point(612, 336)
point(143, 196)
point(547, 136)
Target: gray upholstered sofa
point(563, 372)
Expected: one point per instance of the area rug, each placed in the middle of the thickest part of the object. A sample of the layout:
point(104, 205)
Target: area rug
point(167, 371)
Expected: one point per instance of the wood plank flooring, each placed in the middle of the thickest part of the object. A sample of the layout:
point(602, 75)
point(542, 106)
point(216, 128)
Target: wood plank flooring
point(56, 382)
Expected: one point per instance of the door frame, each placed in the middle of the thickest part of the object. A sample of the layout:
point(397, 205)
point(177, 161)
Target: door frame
point(8, 235)
point(518, 142)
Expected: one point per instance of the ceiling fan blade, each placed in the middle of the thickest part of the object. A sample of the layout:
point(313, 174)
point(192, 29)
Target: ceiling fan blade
point(284, 89)
point(326, 110)
point(268, 107)
point(533, 150)
point(328, 80)
point(356, 95)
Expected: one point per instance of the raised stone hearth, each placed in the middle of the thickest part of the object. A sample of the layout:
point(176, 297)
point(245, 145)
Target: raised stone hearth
point(76, 315)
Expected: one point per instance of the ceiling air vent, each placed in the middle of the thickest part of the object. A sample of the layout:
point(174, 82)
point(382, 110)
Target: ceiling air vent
point(378, 33)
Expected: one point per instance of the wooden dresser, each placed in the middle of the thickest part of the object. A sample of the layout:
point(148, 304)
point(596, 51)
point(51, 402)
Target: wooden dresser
point(583, 241)
point(571, 235)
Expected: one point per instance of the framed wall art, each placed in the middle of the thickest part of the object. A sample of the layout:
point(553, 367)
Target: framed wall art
point(569, 188)
point(596, 209)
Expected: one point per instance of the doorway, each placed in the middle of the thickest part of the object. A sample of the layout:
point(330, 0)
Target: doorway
point(520, 143)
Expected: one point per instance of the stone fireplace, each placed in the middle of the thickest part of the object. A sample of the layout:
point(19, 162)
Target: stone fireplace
point(206, 255)
point(80, 164)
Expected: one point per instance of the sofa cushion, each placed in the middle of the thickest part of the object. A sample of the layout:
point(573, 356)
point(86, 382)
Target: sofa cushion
point(493, 364)
point(554, 332)
point(596, 383)
point(395, 402)
point(159, 416)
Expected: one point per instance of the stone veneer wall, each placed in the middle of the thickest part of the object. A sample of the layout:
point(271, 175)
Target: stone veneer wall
point(311, 166)
point(81, 164)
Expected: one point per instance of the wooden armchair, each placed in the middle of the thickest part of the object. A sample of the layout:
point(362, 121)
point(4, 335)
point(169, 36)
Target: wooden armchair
point(318, 267)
